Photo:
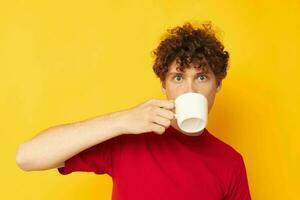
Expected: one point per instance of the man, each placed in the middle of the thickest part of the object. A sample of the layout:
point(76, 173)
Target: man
point(142, 148)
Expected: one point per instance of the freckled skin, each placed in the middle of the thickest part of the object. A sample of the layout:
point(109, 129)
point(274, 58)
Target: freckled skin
point(189, 81)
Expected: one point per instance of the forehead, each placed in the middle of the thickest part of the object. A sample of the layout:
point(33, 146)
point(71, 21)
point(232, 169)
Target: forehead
point(174, 68)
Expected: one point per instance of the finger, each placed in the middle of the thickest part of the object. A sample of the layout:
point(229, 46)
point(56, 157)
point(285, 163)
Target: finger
point(161, 121)
point(165, 113)
point(157, 128)
point(167, 104)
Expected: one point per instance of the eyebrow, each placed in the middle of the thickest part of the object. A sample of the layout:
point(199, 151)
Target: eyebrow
point(199, 73)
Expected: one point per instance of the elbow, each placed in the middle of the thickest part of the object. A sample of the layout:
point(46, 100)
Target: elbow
point(21, 160)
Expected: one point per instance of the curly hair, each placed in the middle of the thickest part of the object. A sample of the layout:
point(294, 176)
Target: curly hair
point(191, 45)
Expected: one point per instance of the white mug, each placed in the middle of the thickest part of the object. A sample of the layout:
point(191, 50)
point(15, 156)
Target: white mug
point(191, 112)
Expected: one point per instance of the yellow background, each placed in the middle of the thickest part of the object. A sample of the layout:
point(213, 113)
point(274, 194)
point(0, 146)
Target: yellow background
point(64, 61)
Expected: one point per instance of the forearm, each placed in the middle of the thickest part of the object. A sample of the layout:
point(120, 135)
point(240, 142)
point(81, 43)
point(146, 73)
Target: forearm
point(56, 144)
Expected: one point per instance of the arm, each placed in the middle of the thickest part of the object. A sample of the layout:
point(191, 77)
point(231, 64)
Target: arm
point(53, 146)
point(239, 187)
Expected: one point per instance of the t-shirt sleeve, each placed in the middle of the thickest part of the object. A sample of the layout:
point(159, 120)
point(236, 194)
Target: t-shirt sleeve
point(239, 188)
point(97, 159)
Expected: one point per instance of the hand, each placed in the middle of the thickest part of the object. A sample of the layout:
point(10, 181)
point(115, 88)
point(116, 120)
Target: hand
point(153, 115)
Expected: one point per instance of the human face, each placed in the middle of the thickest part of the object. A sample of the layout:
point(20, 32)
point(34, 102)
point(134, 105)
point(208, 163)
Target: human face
point(191, 80)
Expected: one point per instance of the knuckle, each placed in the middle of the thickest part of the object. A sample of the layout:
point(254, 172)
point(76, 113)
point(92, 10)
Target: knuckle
point(151, 110)
point(155, 109)
point(168, 123)
point(149, 107)
point(171, 113)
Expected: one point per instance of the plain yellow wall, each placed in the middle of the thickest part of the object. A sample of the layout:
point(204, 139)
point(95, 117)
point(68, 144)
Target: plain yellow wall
point(65, 61)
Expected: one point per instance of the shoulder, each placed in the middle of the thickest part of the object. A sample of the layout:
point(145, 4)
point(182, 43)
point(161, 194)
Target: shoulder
point(225, 151)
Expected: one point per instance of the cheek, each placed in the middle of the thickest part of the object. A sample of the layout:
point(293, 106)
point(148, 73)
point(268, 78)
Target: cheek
point(172, 91)
point(209, 92)
point(210, 98)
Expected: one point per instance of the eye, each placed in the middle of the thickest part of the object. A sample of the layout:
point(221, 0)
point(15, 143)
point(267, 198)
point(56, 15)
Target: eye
point(177, 76)
point(202, 77)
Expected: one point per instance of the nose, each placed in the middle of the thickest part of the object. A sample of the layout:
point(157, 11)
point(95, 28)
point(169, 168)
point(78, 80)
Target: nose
point(190, 87)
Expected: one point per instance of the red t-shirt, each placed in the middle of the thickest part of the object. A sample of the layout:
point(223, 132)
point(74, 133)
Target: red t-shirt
point(168, 166)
